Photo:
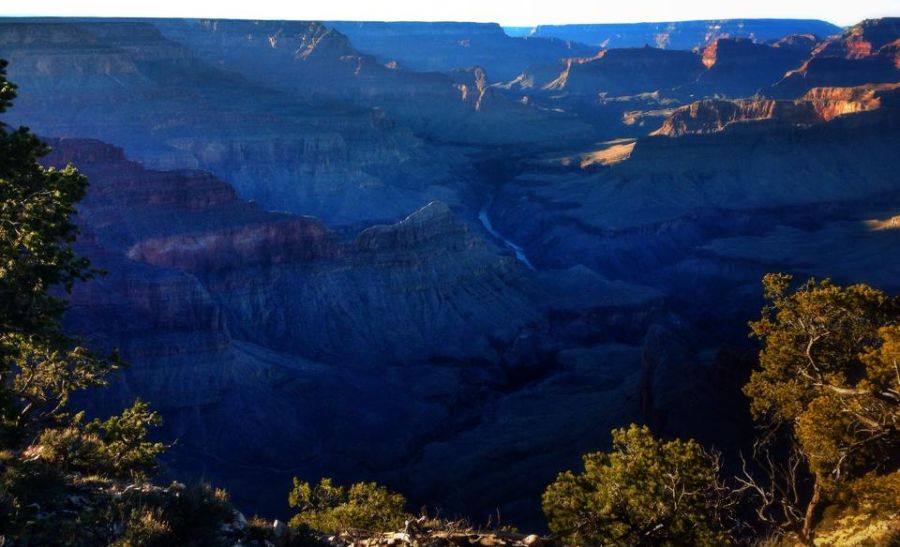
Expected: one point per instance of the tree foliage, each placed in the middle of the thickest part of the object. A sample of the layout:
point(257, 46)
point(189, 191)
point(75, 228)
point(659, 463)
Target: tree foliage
point(334, 509)
point(829, 379)
point(40, 366)
point(644, 492)
point(116, 447)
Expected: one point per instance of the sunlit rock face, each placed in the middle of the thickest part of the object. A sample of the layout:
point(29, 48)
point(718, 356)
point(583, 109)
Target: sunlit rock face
point(818, 105)
point(865, 53)
point(325, 261)
point(831, 102)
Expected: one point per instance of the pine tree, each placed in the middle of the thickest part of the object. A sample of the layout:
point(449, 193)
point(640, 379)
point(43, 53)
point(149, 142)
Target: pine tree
point(40, 365)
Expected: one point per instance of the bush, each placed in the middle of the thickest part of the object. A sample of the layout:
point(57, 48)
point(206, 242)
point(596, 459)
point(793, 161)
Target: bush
point(643, 492)
point(116, 447)
point(145, 528)
point(178, 515)
point(335, 509)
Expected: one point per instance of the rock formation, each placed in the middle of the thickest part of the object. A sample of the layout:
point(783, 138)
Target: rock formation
point(442, 47)
point(626, 72)
point(685, 35)
point(816, 106)
point(865, 53)
point(740, 67)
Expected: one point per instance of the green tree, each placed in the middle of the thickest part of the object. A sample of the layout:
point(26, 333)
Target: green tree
point(644, 492)
point(334, 509)
point(40, 366)
point(828, 380)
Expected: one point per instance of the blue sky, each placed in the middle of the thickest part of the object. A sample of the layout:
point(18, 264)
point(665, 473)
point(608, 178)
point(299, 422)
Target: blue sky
point(509, 13)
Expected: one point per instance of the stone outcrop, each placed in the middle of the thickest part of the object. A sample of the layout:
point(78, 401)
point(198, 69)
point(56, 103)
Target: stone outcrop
point(237, 251)
point(472, 85)
point(831, 102)
point(276, 243)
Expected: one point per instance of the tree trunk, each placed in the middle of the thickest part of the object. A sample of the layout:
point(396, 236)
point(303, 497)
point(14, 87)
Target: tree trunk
point(812, 514)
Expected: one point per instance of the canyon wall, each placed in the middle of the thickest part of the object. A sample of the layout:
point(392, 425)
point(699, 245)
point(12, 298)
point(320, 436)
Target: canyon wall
point(683, 34)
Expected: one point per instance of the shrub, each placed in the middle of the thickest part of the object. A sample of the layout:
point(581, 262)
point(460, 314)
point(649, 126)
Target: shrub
point(644, 492)
point(335, 509)
point(145, 528)
point(116, 447)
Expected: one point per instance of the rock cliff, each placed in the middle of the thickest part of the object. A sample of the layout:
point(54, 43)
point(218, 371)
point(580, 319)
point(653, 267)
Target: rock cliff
point(816, 106)
point(865, 53)
point(740, 67)
point(626, 72)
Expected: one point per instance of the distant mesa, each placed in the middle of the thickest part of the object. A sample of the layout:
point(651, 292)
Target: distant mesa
point(446, 46)
point(686, 35)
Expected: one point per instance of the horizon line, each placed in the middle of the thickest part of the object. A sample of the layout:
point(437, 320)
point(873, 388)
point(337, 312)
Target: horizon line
point(442, 21)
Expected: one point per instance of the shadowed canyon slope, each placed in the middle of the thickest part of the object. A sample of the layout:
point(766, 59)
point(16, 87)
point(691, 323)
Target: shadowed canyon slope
point(460, 263)
point(232, 310)
point(445, 46)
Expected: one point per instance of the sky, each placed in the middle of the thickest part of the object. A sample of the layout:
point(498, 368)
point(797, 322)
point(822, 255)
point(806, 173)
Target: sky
point(505, 12)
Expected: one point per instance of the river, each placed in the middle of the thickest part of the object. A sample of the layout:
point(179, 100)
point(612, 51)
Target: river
point(486, 222)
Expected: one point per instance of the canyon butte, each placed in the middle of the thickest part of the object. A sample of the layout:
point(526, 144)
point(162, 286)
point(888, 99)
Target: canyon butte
point(451, 257)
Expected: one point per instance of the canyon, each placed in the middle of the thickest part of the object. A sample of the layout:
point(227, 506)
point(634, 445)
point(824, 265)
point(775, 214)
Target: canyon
point(680, 34)
point(463, 263)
